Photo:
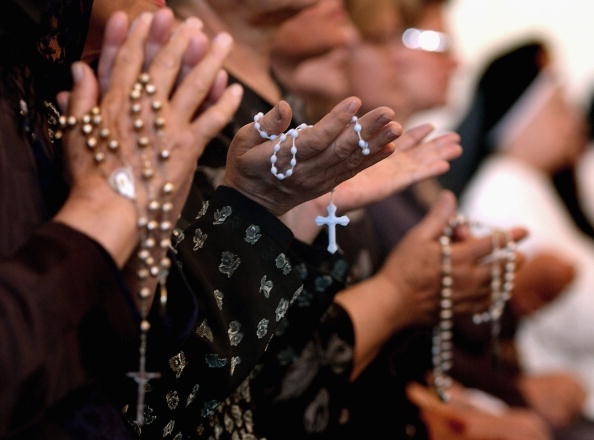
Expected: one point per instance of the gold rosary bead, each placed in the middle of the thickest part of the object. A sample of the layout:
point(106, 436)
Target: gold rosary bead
point(164, 155)
point(87, 128)
point(144, 78)
point(144, 292)
point(168, 188)
point(99, 157)
point(143, 142)
point(145, 325)
point(92, 142)
point(156, 105)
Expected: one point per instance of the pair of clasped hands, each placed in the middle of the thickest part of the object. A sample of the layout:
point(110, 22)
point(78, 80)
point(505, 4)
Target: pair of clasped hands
point(186, 68)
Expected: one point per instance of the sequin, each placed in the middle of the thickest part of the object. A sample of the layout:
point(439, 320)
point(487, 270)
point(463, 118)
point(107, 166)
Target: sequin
point(302, 271)
point(178, 236)
point(168, 429)
point(209, 407)
point(204, 331)
point(262, 328)
point(266, 286)
point(229, 263)
point(235, 361)
point(199, 239)
point(172, 399)
point(322, 283)
point(203, 209)
point(252, 234)
point(340, 268)
point(177, 363)
point(281, 309)
point(282, 263)
point(213, 360)
point(218, 298)
point(221, 215)
point(297, 294)
point(192, 394)
point(235, 335)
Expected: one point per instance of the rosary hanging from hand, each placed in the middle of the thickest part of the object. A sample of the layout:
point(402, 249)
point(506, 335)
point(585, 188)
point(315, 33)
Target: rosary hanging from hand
point(331, 220)
point(502, 285)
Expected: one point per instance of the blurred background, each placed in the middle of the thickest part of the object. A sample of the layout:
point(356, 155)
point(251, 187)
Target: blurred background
point(479, 27)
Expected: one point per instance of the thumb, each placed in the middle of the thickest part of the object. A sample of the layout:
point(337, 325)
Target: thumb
point(436, 220)
point(85, 90)
point(270, 124)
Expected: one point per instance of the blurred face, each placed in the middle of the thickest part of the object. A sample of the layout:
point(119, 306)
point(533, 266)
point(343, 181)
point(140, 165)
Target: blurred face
point(315, 44)
point(554, 136)
point(386, 72)
point(316, 30)
point(267, 13)
point(102, 10)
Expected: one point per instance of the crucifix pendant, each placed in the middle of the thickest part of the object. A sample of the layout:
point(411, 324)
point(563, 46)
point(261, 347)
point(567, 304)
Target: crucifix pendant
point(331, 221)
point(142, 377)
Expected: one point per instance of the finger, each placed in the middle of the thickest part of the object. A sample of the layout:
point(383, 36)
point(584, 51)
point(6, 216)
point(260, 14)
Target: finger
point(518, 233)
point(85, 90)
point(165, 67)
point(275, 121)
point(214, 118)
point(372, 125)
point(63, 98)
point(433, 224)
point(159, 33)
point(323, 135)
point(218, 87)
point(347, 156)
point(196, 85)
point(195, 51)
point(115, 34)
point(130, 56)
point(413, 136)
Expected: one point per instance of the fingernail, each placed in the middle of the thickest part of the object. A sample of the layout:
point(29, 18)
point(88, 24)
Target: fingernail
point(236, 89)
point(223, 39)
point(144, 17)
point(352, 107)
point(77, 72)
point(193, 22)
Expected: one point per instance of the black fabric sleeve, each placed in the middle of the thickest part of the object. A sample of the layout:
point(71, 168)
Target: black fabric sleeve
point(48, 290)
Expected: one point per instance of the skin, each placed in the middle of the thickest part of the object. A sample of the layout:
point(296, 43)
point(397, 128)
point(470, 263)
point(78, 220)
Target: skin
point(407, 79)
point(406, 289)
point(90, 195)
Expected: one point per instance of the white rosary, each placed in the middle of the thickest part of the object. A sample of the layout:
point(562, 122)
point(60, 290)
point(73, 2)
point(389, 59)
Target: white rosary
point(331, 220)
point(442, 348)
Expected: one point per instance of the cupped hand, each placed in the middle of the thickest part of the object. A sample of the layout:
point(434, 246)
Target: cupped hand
point(328, 154)
point(462, 420)
point(414, 159)
point(414, 267)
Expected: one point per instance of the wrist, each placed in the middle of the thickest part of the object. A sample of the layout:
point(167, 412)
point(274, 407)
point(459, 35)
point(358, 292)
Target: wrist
point(104, 216)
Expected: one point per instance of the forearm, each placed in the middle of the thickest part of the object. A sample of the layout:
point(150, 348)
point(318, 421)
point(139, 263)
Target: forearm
point(373, 306)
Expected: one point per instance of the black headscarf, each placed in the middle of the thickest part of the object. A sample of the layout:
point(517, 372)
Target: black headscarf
point(40, 39)
point(501, 84)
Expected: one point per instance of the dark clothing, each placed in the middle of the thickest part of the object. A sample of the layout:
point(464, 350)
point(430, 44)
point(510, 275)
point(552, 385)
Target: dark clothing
point(65, 311)
point(261, 294)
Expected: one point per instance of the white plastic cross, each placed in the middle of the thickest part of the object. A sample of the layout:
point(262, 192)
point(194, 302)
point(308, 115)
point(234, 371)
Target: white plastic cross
point(331, 221)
